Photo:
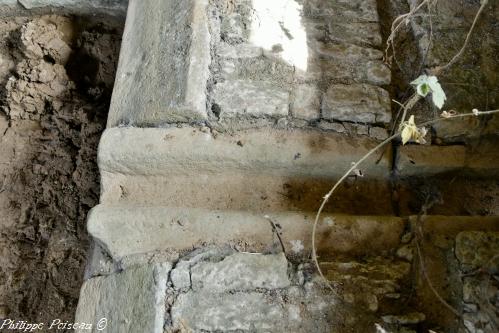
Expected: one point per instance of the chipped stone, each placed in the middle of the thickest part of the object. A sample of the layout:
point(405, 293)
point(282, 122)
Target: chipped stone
point(131, 301)
point(254, 98)
point(306, 102)
point(242, 271)
point(405, 252)
point(327, 125)
point(164, 64)
point(238, 51)
point(357, 103)
point(475, 249)
point(378, 133)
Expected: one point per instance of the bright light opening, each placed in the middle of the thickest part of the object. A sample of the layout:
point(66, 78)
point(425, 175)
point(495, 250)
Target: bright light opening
point(276, 26)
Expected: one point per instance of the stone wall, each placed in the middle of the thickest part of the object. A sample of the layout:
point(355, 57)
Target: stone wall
point(300, 64)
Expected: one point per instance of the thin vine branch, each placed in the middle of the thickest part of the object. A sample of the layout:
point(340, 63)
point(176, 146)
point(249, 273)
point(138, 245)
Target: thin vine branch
point(356, 165)
point(441, 69)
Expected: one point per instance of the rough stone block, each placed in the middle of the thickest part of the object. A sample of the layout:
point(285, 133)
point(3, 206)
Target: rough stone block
point(241, 272)
point(378, 133)
point(238, 51)
point(230, 313)
point(268, 151)
point(255, 98)
point(131, 301)
point(343, 10)
point(357, 103)
point(416, 160)
point(360, 33)
point(164, 64)
point(475, 249)
point(129, 230)
point(306, 103)
point(361, 71)
point(118, 6)
point(344, 51)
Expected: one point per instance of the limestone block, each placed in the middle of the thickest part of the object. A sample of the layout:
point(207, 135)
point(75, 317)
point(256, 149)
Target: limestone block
point(131, 301)
point(343, 51)
point(263, 151)
point(254, 98)
point(360, 71)
point(378, 133)
point(343, 10)
point(360, 33)
point(128, 230)
point(416, 160)
point(229, 313)
point(357, 103)
point(243, 50)
point(241, 272)
point(164, 64)
point(85, 5)
point(306, 102)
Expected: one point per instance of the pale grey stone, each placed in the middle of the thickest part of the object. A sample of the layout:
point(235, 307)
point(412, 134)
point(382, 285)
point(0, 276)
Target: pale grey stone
point(306, 102)
point(131, 301)
point(237, 51)
point(111, 6)
point(357, 103)
point(341, 10)
point(254, 98)
point(242, 271)
point(357, 129)
point(99, 263)
point(378, 133)
point(164, 64)
point(361, 33)
point(181, 276)
point(337, 127)
point(228, 312)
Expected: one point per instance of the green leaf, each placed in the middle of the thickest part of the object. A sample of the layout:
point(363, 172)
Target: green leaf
point(423, 89)
point(426, 84)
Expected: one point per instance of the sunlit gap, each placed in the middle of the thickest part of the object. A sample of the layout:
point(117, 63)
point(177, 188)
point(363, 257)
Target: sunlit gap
point(276, 26)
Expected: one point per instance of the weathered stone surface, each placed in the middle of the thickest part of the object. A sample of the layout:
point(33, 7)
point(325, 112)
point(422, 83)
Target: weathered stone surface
point(373, 72)
point(126, 230)
point(378, 133)
point(131, 301)
point(357, 103)
point(360, 33)
point(306, 103)
point(475, 249)
point(237, 51)
point(241, 272)
point(420, 160)
point(124, 150)
point(343, 10)
point(110, 6)
point(164, 64)
point(345, 51)
point(337, 127)
point(254, 98)
point(230, 312)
